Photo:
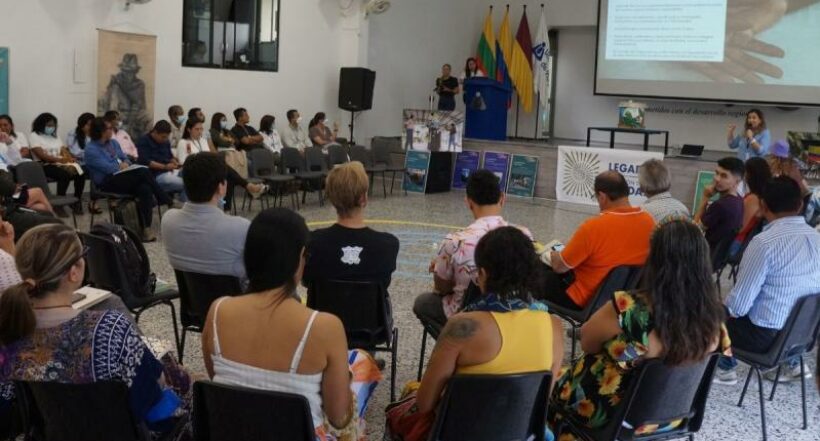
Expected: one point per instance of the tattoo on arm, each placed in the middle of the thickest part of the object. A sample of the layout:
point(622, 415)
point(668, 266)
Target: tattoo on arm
point(460, 328)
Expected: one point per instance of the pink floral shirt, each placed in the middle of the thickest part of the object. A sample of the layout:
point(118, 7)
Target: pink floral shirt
point(454, 261)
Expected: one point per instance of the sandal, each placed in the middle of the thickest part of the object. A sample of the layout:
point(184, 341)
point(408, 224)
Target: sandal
point(94, 209)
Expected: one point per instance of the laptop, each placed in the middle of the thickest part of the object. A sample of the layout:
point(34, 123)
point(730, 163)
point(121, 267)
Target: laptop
point(691, 151)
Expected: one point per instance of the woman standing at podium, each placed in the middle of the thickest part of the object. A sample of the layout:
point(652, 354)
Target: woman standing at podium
point(471, 70)
point(754, 141)
point(446, 88)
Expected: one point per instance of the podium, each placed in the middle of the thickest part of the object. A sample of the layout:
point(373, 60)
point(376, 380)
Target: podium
point(439, 173)
point(486, 116)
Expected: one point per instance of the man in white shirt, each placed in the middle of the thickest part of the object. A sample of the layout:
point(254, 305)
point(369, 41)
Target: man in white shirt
point(294, 135)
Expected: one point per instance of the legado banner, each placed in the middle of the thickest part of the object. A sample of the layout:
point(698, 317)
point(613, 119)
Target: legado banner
point(578, 166)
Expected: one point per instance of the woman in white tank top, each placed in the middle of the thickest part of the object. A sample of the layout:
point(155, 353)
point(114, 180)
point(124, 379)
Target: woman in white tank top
point(268, 340)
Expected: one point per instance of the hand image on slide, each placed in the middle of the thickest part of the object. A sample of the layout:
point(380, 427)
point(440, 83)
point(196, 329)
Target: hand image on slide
point(745, 19)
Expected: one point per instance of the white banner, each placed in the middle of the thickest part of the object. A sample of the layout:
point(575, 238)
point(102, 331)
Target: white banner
point(578, 166)
point(541, 57)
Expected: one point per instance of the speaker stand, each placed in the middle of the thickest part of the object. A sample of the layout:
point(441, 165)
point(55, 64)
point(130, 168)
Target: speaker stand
point(352, 118)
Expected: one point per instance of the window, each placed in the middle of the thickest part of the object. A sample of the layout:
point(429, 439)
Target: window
point(231, 34)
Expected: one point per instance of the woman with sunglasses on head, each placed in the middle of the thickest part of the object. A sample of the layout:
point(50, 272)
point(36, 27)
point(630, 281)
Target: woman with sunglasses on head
point(45, 339)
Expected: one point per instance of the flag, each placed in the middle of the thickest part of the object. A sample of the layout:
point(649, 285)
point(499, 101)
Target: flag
point(486, 47)
point(521, 64)
point(541, 54)
point(504, 52)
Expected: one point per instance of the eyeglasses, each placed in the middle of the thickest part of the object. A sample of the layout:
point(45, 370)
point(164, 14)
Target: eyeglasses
point(82, 255)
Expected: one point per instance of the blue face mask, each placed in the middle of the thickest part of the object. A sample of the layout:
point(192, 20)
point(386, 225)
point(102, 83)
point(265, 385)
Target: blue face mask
point(50, 130)
point(221, 204)
point(223, 124)
point(181, 119)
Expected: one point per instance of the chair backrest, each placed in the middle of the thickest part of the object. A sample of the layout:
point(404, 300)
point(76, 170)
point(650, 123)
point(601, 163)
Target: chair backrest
point(337, 154)
point(198, 291)
point(106, 269)
point(291, 160)
point(381, 153)
point(32, 173)
point(80, 412)
point(512, 407)
point(361, 154)
point(620, 278)
point(315, 159)
point(800, 331)
point(261, 163)
point(233, 413)
point(658, 394)
point(363, 307)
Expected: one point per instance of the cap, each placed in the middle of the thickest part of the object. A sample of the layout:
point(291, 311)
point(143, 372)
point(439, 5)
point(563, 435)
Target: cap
point(781, 149)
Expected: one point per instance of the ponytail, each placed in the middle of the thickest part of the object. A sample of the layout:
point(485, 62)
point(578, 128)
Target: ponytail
point(17, 319)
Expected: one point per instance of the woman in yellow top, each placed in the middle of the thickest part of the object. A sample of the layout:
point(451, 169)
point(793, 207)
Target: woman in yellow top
point(506, 332)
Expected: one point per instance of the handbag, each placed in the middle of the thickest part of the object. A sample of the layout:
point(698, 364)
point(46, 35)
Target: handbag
point(238, 161)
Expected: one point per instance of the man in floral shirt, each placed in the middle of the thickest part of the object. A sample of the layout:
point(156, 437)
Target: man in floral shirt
point(454, 268)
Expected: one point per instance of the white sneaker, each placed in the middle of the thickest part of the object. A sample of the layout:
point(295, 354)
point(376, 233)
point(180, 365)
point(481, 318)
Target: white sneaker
point(725, 377)
point(787, 374)
point(263, 189)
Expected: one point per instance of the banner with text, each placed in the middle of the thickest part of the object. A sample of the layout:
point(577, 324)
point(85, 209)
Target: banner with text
point(499, 164)
point(523, 174)
point(466, 163)
point(417, 164)
point(578, 166)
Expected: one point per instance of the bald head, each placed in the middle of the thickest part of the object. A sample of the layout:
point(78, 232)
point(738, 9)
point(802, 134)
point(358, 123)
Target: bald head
point(612, 184)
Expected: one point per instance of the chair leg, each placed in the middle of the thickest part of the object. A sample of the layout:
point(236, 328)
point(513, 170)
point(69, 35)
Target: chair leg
point(137, 315)
point(776, 379)
point(572, 351)
point(421, 356)
point(182, 345)
point(762, 402)
point(74, 217)
point(384, 184)
point(395, 350)
point(803, 392)
point(176, 327)
point(745, 387)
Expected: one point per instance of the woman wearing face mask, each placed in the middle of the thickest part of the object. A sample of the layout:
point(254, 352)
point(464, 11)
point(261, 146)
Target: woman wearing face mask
point(755, 139)
point(14, 147)
point(177, 117)
point(76, 142)
point(270, 136)
point(320, 134)
point(121, 135)
point(221, 133)
point(58, 164)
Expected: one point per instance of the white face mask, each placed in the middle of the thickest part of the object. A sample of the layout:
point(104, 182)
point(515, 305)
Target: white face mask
point(299, 120)
point(223, 124)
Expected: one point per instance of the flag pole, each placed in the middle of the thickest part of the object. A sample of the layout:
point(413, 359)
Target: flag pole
point(538, 100)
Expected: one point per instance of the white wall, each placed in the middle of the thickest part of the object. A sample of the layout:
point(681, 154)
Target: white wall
point(43, 34)
point(577, 107)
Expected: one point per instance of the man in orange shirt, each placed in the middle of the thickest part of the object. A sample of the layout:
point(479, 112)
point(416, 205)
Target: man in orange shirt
point(618, 236)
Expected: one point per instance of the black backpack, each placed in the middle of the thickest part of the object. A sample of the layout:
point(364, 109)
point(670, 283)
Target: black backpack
point(139, 277)
point(125, 213)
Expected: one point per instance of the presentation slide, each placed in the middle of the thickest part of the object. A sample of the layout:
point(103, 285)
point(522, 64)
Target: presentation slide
point(765, 51)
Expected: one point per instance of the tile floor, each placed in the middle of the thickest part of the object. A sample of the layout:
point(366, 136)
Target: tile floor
point(420, 222)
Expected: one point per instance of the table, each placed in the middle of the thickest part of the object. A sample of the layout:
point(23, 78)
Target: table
point(644, 132)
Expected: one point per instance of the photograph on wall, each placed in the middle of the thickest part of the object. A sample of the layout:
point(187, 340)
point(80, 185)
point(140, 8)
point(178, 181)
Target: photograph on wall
point(417, 165)
point(432, 131)
point(467, 162)
point(705, 178)
point(4, 80)
point(126, 71)
point(523, 174)
point(499, 164)
point(805, 146)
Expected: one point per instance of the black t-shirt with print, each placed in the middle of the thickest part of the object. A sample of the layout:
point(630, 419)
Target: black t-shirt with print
point(357, 255)
point(450, 83)
point(240, 132)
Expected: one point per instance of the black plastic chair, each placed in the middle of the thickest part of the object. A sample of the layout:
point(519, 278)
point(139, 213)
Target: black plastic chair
point(512, 407)
point(98, 411)
point(96, 194)
point(365, 311)
point(32, 173)
point(107, 271)
point(797, 338)
point(381, 156)
point(196, 293)
point(263, 167)
point(294, 164)
point(620, 278)
point(657, 394)
point(234, 413)
point(337, 154)
point(362, 154)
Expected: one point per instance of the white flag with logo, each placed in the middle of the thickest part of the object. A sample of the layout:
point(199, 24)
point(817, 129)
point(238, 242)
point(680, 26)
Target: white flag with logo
point(541, 54)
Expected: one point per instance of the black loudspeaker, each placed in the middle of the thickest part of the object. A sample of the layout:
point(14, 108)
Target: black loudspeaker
point(356, 88)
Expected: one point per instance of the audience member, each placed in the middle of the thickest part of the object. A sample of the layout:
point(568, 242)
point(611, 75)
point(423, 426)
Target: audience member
point(779, 267)
point(13, 195)
point(200, 237)
point(155, 153)
point(618, 236)
point(247, 138)
point(723, 218)
point(16, 146)
point(349, 249)
point(755, 139)
point(675, 316)
point(308, 355)
point(270, 136)
point(176, 115)
point(655, 181)
point(196, 113)
point(222, 138)
point(9, 276)
point(192, 141)
point(121, 136)
point(782, 163)
point(58, 164)
point(294, 135)
point(756, 175)
point(78, 138)
point(505, 332)
point(454, 267)
point(45, 339)
point(320, 134)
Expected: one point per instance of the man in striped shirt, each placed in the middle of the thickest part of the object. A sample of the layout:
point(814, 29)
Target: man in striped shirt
point(779, 266)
